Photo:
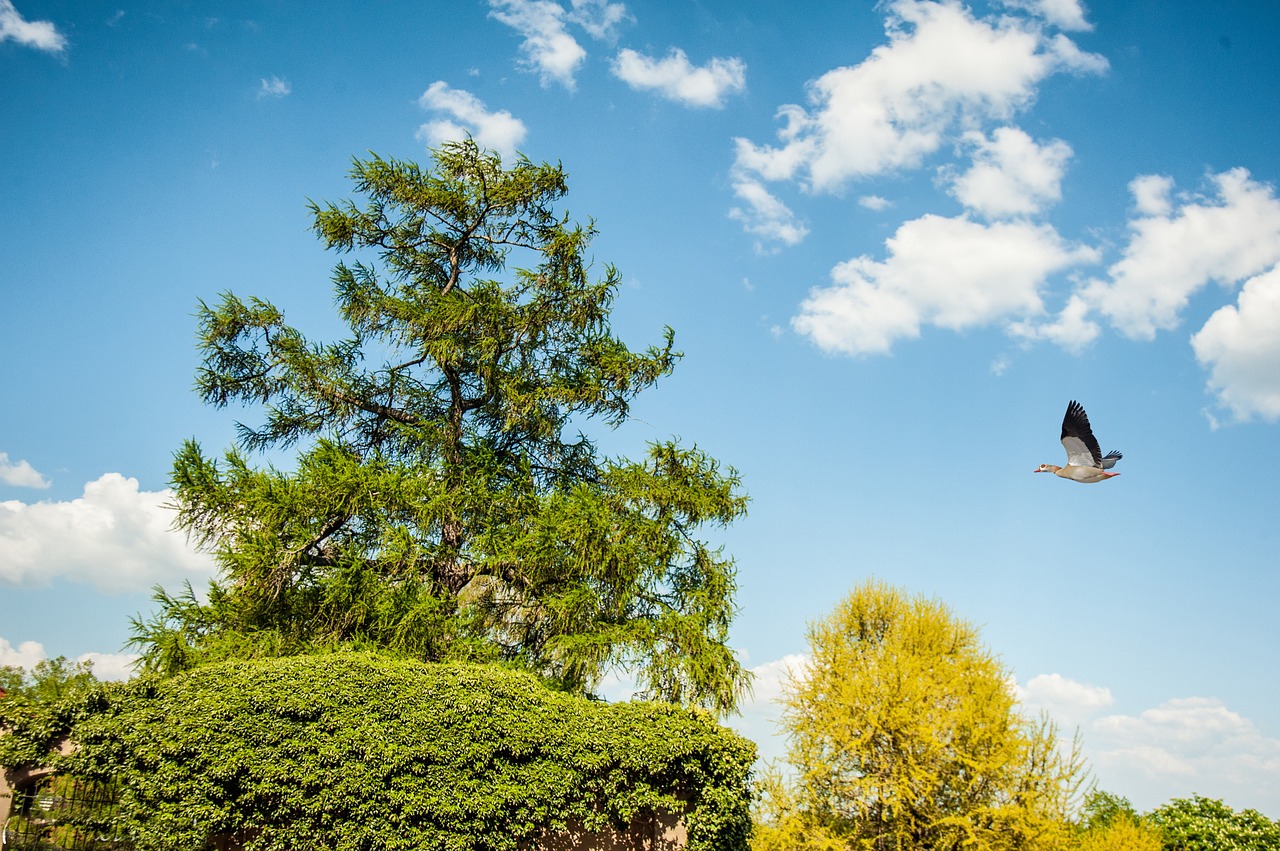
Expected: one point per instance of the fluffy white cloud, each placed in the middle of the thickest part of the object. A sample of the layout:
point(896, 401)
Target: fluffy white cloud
point(1182, 747)
point(26, 655)
point(468, 116)
point(42, 35)
point(1151, 194)
point(1065, 14)
point(766, 216)
point(110, 666)
point(677, 79)
point(1187, 746)
point(548, 48)
point(1011, 174)
point(115, 537)
point(1174, 250)
point(1240, 346)
point(1072, 329)
point(942, 69)
point(106, 666)
point(21, 474)
point(274, 88)
point(875, 203)
point(949, 272)
point(1066, 701)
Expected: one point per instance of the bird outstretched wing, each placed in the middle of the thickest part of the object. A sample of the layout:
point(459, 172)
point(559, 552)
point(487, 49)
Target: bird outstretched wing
point(1077, 438)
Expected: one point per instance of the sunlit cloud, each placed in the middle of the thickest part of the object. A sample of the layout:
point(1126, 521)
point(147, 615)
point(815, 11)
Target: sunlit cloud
point(105, 666)
point(942, 72)
point(115, 537)
point(462, 114)
point(1011, 174)
point(20, 474)
point(677, 79)
point(1166, 751)
point(1064, 14)
point(1177, 247)
point(765, 215)
point(42, 35)
point(548, 49)
point(951, 273)
point(1169, 751)
point(1240, 347)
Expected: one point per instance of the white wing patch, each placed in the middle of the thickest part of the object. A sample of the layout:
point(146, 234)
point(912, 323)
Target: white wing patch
point(1078, 455)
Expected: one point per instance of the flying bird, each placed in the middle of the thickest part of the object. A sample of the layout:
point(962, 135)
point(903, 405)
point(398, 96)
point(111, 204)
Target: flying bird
point(1085, 461)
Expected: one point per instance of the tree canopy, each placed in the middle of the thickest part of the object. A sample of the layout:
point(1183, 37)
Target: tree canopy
point(445, 502)
point(904, 733)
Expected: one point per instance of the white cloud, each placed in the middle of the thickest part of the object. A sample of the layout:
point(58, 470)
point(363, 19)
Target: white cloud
point(42, 35)
point(274, 88)
point(115, 537)
point(1151, 194)
point(760, 715)
point(110, 666)
point(1011, 174)
point(874, 202)
point(1187, 746)
point(1184, 746)
point(943, 69)
point(679, 80)
point(26, 655)
point(949, 272)
point(1072, 329)
point(548, 48)
point(1065, 14)
point(1240, 346)
point(1066, 701)
point(106, 666)
point(21, 474)
point(765, 215)
point(468, 116)
point(1174, 251)
point(599, 18)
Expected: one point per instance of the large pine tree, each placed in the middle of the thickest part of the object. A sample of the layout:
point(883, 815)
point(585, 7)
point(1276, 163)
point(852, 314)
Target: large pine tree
point(444, 502)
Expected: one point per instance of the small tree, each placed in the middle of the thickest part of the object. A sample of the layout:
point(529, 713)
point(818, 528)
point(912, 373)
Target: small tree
point(37, 705)
point(904, 733)
point(1110, 823)
point(444, 503)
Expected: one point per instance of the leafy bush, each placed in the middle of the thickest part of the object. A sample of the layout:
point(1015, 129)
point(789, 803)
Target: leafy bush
point(353, 751)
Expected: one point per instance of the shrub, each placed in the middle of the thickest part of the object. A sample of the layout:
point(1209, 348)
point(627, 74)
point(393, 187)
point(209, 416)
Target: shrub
point(354, 751)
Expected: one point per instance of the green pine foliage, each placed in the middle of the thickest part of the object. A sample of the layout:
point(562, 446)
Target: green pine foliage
point(357, 751)
point(445, 502)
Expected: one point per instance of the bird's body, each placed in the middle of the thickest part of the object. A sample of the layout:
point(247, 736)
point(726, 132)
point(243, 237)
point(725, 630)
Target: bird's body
point(1085, 462)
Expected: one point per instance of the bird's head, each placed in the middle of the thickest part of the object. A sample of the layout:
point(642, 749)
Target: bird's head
point(1047, 468)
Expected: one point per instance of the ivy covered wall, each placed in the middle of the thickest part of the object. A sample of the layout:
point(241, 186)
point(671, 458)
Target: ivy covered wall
point(354, 751)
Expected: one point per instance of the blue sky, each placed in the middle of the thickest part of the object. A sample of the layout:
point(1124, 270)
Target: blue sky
point(894, 241)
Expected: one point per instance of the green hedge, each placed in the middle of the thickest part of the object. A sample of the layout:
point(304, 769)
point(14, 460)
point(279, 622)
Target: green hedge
point(354, 751)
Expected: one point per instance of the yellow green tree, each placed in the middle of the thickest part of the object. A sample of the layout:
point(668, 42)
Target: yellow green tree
point(1110, 823)
point(905, 733)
